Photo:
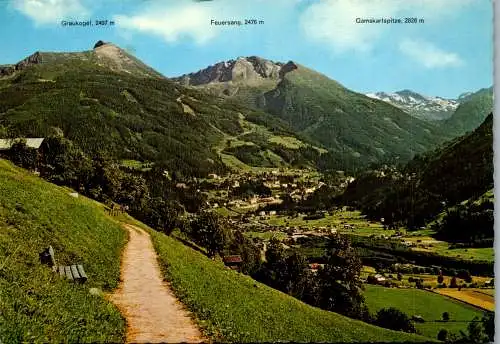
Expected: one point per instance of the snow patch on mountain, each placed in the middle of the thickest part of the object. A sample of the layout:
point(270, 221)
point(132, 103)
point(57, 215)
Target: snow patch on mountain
point(421, 106)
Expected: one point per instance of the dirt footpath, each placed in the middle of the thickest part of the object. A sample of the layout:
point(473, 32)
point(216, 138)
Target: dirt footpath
point(153, 313)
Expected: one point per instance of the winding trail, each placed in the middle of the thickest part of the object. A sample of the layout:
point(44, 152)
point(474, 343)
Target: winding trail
point(153, 313)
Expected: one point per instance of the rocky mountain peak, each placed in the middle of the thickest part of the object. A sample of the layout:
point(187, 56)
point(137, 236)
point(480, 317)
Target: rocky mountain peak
point(117, 59)
point(251, 68)
point(99, 43)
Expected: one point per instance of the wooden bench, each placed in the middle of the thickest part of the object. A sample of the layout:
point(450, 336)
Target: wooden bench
point(71, 272)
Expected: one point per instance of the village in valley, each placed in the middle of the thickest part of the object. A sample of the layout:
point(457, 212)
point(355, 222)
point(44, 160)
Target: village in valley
point(253, 202)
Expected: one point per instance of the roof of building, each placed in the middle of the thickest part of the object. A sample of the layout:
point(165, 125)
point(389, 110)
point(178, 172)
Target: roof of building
point(232, 259)
point(35, 143)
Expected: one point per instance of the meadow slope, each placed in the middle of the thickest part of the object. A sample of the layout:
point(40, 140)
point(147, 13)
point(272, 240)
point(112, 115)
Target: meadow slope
point(36, 305)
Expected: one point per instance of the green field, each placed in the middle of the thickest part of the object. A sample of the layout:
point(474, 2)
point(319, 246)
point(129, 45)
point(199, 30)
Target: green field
point(483, 253)
point(137, 165)
point(35, 304)
point(231, 306)
point(267, 235)
point(287, 141)
point(426, 304)
point(361, 225)
point(424, 238)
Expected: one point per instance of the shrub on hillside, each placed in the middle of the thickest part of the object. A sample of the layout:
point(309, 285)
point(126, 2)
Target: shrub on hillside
point(23, 156)
point(442, 335)
point(394, 319)
point(210, 231)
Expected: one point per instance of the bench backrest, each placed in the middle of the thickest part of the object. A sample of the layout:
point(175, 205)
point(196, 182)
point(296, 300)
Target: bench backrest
point(48, 257)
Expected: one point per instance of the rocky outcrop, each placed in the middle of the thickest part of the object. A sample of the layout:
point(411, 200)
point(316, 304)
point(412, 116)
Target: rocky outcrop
point(6, 70)
point(99, 43)
point(252, 68)
point(287, 68)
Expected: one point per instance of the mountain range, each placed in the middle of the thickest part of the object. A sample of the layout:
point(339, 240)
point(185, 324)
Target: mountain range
point(357, 129)
point(233, 115)
point(458, 115)
point(106, 99)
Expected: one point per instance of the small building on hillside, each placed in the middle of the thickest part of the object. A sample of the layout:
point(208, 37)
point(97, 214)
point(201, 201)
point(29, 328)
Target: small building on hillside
point(233, 262)
point(34, 143)
point(30, 158)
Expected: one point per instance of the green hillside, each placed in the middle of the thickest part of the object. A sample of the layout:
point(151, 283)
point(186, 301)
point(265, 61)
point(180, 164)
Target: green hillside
point(471, 112)
point(108, 100)
point(235, 307)
point(463, 169)
point(428, 305)
point(357, 127)
point(36, 305)
point(458, 171)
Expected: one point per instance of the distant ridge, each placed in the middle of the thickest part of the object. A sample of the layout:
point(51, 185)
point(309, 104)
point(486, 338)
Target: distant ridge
point(420, 106)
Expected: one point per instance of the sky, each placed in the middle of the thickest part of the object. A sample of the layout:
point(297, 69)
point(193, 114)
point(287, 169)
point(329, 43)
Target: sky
point(449, 53)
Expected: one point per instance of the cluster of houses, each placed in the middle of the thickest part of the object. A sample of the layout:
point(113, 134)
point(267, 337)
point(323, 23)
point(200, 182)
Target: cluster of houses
point(296, 185)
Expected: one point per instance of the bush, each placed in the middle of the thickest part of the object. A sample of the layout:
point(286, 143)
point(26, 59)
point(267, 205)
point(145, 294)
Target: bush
point(453, 283)
point(394, 319)
point(465, 275)
point(212, 232)
point(442, 335)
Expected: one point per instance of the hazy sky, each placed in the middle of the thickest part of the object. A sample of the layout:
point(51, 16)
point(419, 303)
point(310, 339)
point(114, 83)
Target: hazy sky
point(450, 53)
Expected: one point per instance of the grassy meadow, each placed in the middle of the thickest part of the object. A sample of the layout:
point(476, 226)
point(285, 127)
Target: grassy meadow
point(428, 305)
point(36, 305)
